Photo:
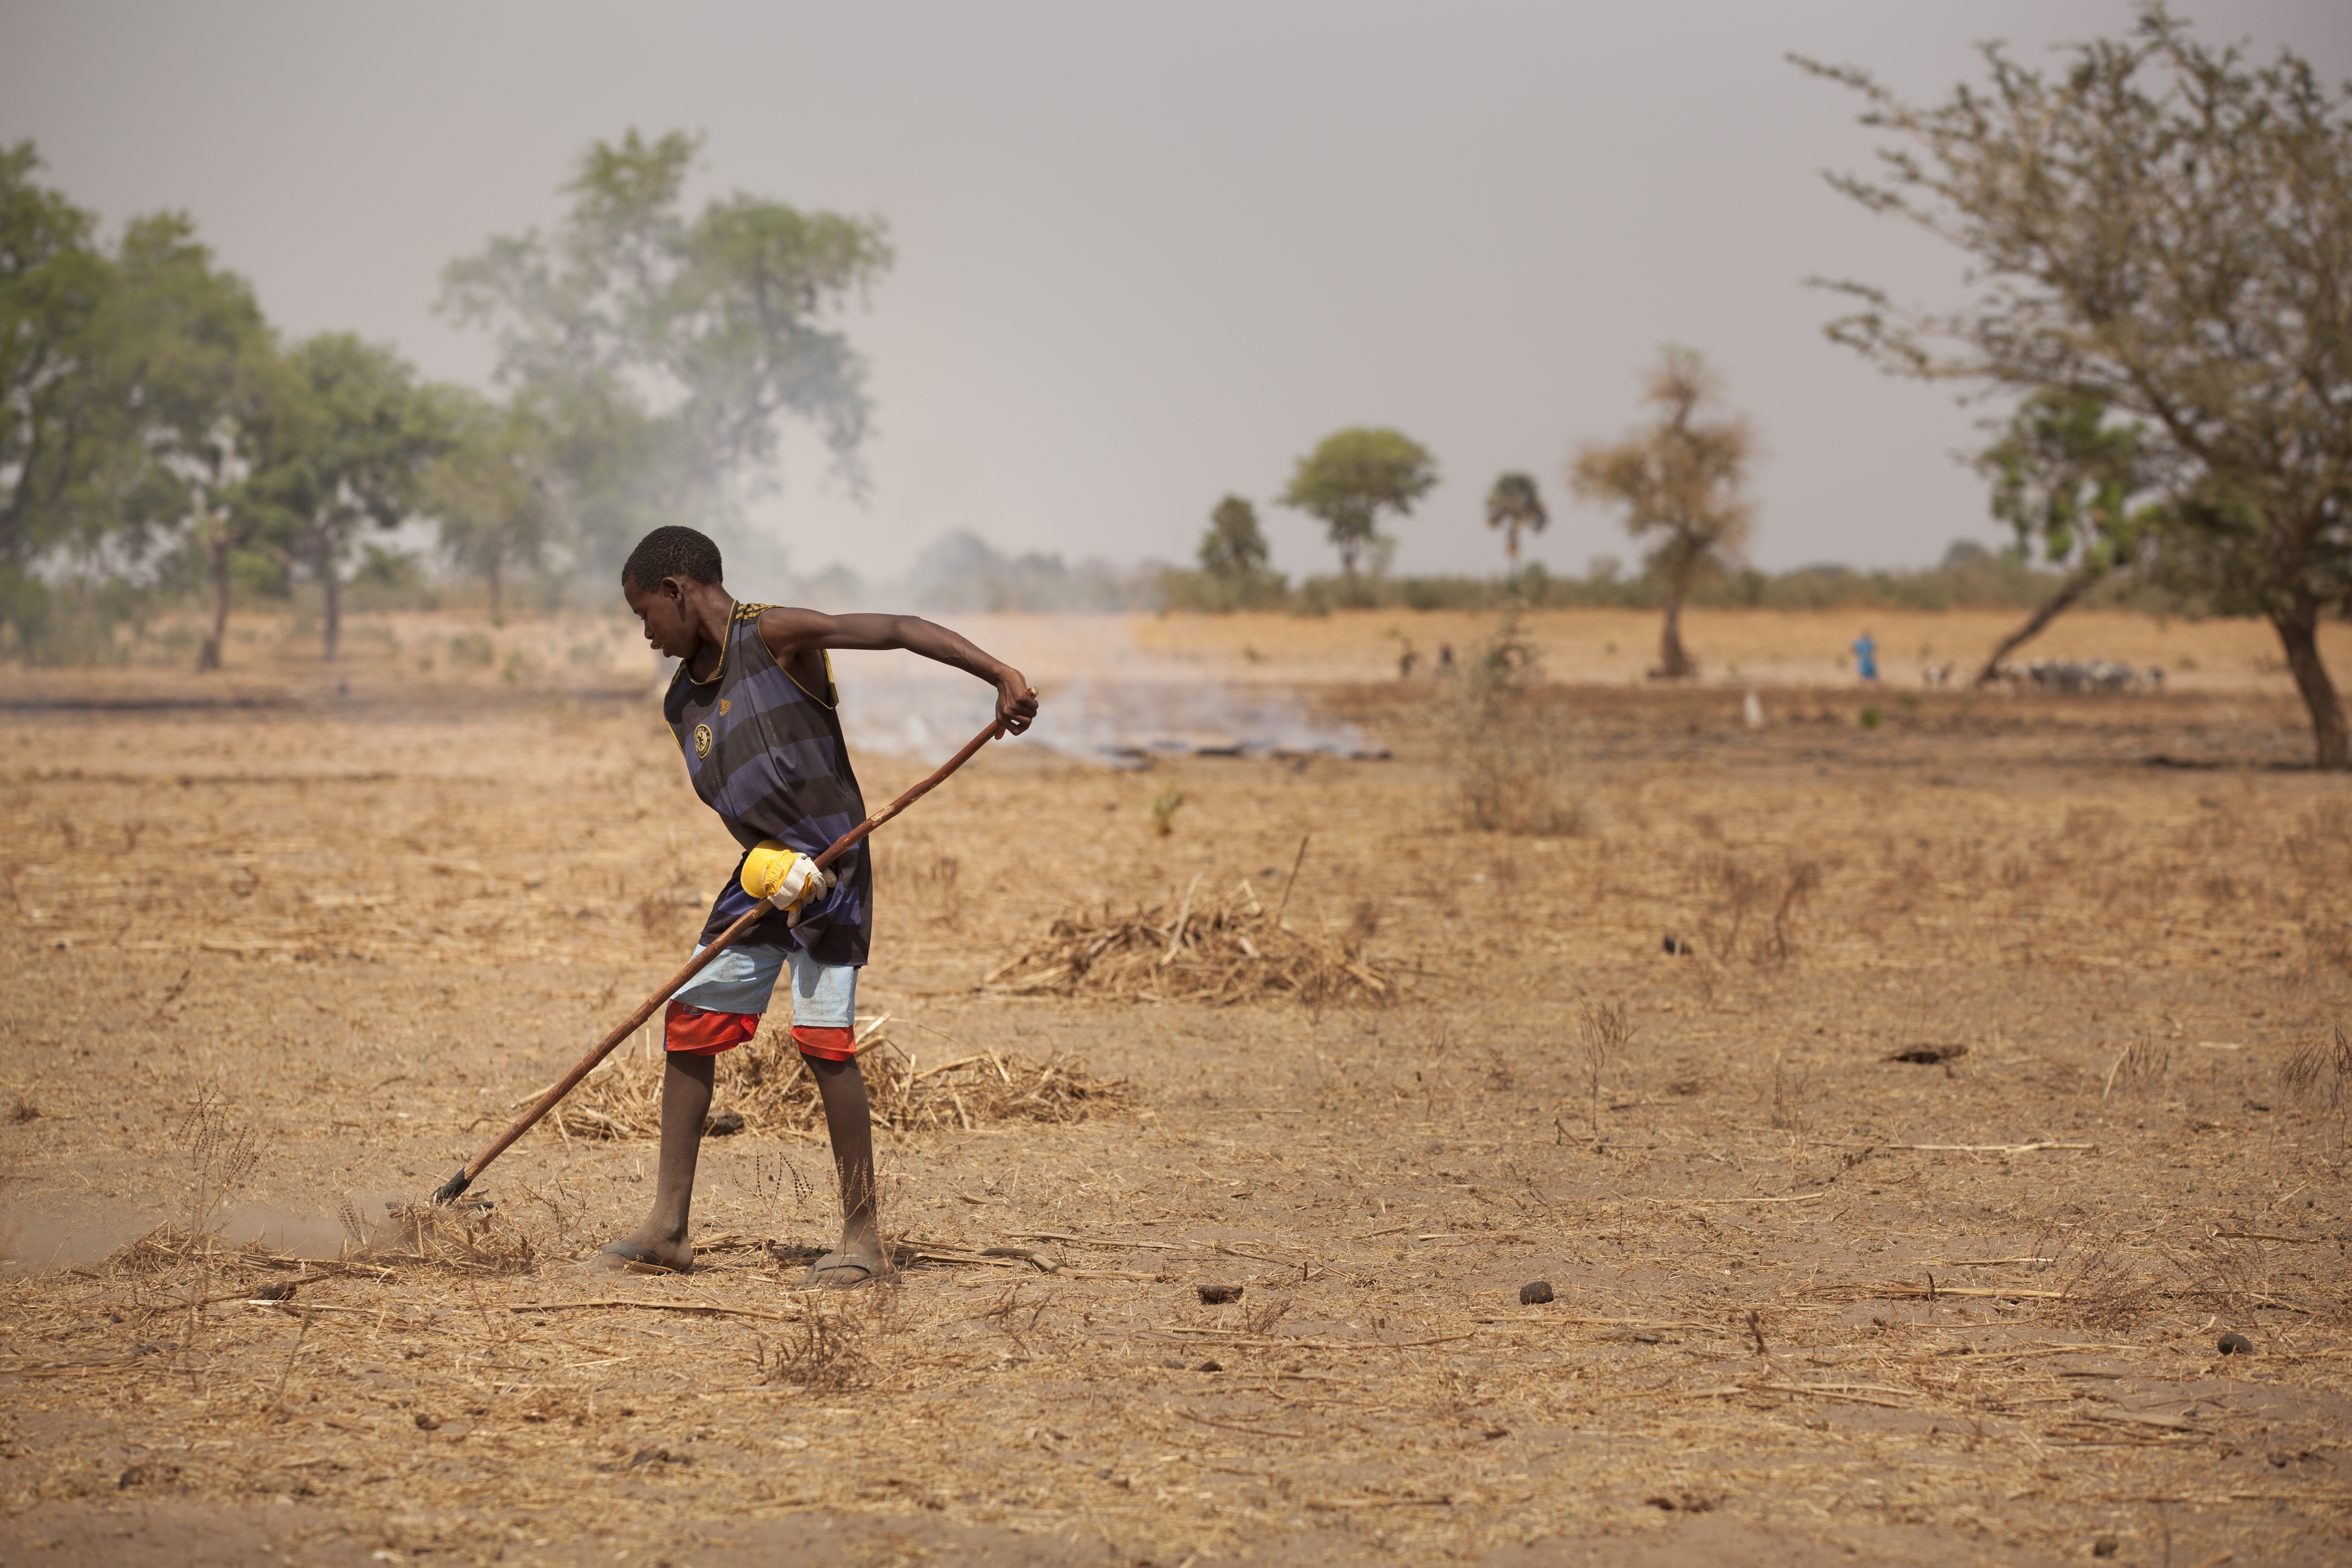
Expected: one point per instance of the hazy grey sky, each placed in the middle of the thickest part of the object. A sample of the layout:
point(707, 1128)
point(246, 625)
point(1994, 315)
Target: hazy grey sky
point(1148, 255)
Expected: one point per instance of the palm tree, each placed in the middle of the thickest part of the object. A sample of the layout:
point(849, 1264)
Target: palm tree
point(1514, 504)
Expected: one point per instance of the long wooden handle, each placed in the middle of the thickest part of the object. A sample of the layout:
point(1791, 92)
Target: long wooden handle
point(450, 1189)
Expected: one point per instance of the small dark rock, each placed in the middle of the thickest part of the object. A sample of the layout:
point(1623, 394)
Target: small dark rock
point(1535, 1292)
point(1210, 1366)
point(722, 1124)
point(1929, 1055)
point(1678, 946)
point(2235, 1344)
point(1495, 1432)
point(2106, 1546)
point(273, 1292)
point(1644, 1337)
point(1218, 1295)
point(1173, 1364)
point(136, 1475)
point(652, 1455)
point(427, 1423)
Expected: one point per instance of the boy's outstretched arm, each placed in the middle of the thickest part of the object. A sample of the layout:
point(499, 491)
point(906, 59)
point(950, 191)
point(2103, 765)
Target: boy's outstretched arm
point(787, 632)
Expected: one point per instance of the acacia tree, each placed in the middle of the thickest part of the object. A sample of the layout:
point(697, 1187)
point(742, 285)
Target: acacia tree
point(1352, 477)
point(2162, 230)
point(663, 351)
point(1513, 505)
point(2076, 484)
point(1680, 478)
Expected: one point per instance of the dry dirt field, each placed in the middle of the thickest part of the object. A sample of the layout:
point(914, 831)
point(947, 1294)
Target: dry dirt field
point(1812, 1303)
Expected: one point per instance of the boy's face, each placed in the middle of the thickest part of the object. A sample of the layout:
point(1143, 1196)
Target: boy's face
point(662, 610)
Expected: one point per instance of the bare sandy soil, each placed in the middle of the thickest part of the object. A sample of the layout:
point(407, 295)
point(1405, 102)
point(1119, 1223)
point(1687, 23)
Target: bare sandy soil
point(1808, 1299)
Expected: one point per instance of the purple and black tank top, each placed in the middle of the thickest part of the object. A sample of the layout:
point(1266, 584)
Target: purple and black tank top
point(766, 753)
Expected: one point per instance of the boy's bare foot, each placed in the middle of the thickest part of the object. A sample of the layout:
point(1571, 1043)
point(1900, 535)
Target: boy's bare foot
point(662, 1253)
point(849, 1266)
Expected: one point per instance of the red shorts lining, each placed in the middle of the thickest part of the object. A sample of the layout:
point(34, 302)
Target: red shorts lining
point(825, 1044)
point(692, 1032)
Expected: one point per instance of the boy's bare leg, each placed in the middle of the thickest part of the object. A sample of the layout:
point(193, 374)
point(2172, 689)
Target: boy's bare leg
point(685, 1106)
point(859, 1257)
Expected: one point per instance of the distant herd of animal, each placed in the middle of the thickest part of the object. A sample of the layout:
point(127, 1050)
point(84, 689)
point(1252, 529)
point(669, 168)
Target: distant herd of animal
point(2083, 676)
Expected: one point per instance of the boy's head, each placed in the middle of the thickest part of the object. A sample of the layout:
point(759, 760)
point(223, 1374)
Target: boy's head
point(659, 578)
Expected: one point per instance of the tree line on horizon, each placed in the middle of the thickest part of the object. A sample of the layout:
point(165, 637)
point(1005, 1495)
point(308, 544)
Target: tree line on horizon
point(158, 433)
point(2160, 238)
point(2157, 231)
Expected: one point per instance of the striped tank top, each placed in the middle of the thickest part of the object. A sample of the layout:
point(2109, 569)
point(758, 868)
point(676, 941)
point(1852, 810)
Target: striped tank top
point(766, 753)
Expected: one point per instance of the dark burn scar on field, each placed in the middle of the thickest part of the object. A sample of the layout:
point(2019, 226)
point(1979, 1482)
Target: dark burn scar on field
point(1802, 1290)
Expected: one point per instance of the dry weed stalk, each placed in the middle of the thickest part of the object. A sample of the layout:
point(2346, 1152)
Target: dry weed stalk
point(2319, 1073)
point(1791, 1093)
point(1260, 1320)
point(221, 1156)
point(1228, 949)
point(1741, 894)
point(1606, 1035)
point(768, 1085)
point(2143, 1066)
point(1513, 763)
point(825, 1348)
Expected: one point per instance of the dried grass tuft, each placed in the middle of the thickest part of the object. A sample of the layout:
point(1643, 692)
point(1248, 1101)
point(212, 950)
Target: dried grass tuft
point(2142, 1067)
point(768, 1084)
point(2319, 1074)
point(2100, 1285)
point(1219, 952)
point(459, 1240)
point(826, 1347)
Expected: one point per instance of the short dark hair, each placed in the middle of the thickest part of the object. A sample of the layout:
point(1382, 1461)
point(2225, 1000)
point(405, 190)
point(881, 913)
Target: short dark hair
point(671, 552)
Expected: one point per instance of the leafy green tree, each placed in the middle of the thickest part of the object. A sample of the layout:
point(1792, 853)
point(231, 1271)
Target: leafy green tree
point(663, 351)
point(488, 492)
point(350, 452)
point(1354, 476)
point(2075, 485)
point(55, 423)
point(1515, 505)
point(214, 402)
point(1233, 548)
point(2160, 228)
point(1680, 478)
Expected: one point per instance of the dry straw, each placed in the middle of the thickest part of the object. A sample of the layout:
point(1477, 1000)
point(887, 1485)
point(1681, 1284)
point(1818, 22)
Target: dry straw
point(1220, 951)
point(767, 1086)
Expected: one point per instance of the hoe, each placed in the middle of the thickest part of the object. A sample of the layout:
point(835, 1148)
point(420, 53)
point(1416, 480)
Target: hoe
point(449, 1190)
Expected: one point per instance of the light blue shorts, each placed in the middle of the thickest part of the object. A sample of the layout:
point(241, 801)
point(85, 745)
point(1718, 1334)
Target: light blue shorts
point(743, 980)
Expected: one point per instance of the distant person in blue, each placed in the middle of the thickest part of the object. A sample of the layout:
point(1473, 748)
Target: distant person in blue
point(1865, 656)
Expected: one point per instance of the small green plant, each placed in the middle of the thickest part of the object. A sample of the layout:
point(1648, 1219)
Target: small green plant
point(1163, 811)
point(1872, 718)
point(471, 648)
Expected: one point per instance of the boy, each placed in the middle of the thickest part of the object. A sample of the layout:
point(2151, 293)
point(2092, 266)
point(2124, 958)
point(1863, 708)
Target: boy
point(753, 707)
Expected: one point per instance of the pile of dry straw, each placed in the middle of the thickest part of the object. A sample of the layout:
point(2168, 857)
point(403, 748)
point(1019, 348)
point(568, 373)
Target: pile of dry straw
point(764, 1086)
point(1228, 949)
